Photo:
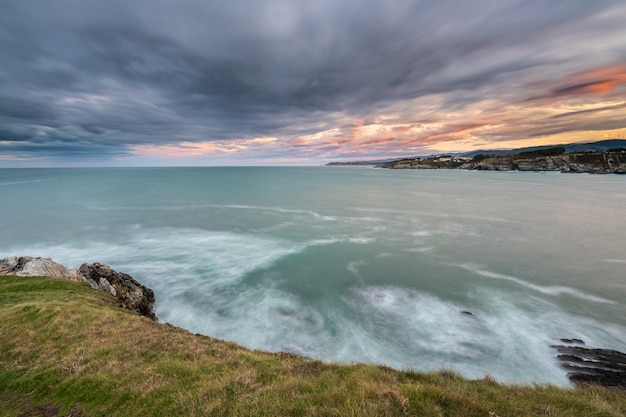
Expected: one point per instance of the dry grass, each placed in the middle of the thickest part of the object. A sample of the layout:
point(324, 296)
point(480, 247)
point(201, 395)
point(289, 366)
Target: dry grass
point(71, 351)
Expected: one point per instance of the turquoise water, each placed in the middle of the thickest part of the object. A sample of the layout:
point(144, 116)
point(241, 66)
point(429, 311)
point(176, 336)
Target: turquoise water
point(350, 264)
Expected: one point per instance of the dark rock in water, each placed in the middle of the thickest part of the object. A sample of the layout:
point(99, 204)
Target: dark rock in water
point(573, 341)
point(130, 293)
point(588, 365)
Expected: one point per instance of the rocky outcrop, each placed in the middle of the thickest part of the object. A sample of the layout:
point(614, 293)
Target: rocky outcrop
point(28, 266)
point(591, 365)
point(130, 293)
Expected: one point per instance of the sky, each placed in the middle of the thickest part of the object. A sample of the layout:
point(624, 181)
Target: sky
point(286, 82)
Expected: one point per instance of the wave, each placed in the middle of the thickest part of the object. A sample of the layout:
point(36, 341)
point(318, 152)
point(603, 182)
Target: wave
point(353, 267)
point(213, 255)
point(26, 182)
point(499, 337)
point(438, 215)
point(192, 207)
point(222, 284)
point(554, 290)
point(422, 249)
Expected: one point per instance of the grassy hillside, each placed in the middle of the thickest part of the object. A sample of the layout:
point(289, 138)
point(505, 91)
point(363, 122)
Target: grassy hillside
point(66, 350)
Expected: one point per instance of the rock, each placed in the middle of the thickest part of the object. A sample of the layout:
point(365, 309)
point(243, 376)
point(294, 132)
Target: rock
point(590, 365)
point(573, 341)
point(104, 285)
point(130, 293)
point(28, 266)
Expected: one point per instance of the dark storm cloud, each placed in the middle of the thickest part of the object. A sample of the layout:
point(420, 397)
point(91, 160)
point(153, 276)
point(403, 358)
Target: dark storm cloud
point(77, 75)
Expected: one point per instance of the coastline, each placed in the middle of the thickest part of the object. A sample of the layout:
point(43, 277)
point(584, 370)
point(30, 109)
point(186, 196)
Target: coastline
point(71, 351)
point(593, 158)
point(583, 364)
point(591, 163)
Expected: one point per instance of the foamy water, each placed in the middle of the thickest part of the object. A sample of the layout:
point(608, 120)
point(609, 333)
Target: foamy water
point(477, 272)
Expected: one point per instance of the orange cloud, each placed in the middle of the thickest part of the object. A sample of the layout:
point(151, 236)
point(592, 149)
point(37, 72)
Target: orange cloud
point(610, 77)
point(598, 81)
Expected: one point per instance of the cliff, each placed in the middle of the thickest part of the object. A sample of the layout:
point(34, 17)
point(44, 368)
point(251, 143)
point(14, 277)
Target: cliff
point(593, 162)
point(610, 162)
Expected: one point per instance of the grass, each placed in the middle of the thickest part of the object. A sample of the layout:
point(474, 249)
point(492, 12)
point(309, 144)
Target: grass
point(67, 350)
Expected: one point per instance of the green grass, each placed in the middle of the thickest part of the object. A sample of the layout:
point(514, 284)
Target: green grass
point(68, 350)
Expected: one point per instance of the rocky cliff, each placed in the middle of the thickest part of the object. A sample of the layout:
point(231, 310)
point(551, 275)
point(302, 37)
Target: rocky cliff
point(594, 162)
point(130, 293)
point(610, 162)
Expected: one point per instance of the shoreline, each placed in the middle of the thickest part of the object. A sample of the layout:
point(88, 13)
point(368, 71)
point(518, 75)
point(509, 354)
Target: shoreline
point(582, 363)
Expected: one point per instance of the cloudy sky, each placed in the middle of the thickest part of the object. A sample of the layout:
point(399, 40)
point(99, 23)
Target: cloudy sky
point(249, 82)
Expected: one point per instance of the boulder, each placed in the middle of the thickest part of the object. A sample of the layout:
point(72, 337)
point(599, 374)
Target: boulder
point(130, 293)
point(28, 266)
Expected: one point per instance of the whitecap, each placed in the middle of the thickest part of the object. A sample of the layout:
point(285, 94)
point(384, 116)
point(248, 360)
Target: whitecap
point(353, 267)
point(361, 240)
point(418, 250)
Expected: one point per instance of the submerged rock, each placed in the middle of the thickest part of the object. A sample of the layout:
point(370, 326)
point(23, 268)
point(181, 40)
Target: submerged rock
point(130, 293)
point(28, 266)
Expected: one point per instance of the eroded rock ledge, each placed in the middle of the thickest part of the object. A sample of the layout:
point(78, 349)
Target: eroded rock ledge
point(130, 293)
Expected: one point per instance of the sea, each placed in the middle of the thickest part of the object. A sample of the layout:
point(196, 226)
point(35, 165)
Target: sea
point(476, 272)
